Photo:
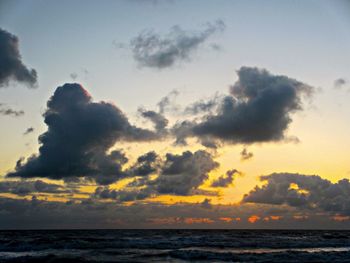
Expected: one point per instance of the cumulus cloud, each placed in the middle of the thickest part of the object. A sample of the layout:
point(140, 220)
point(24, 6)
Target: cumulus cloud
point(178, 174)
point(154, 51)
point(245, 155)
point(259, 109)
point(80, 133)
point(225, 180)
point(297, 190)
point(11, 65)
point(6, 111)
point(28, 187)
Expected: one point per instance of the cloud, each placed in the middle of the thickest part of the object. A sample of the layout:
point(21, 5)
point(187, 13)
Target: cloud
point(145, 165)
point(302, 191)
point(28, 130)
point(182, 130)
point(245, 155)
point(154, 51)
point(203, 106)
point(339, 83)
point(167, 103)
point(121, 195)
point(179, 174)
point(225, 180)
point(182, 174)
point(159, 121)
point(28, 187)
point(73, 76)
point(92, 214)
point(206, 204)
point(11, 65)
point(80, 133)
point(216, 47)
point(6, 111)
point(258, 110)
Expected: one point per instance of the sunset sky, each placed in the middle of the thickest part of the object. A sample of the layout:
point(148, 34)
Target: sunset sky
point(174, 114)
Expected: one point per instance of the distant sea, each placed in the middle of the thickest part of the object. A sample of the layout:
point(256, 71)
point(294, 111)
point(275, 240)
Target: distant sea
point(174, 246)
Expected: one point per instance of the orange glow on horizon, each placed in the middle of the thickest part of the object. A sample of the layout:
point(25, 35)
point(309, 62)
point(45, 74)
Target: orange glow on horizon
point(340, 218)
point(198, 220)
point(254, 218)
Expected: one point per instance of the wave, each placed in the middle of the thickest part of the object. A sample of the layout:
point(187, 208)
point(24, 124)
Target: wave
point(174, 246)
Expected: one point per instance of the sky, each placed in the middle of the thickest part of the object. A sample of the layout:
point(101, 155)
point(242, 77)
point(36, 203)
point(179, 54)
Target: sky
point(174, 114)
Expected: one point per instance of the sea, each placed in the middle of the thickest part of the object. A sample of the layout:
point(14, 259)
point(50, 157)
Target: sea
point(174, 246)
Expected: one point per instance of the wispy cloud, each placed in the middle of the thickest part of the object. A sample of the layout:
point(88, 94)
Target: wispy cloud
point(152, 50)
point(7, 111)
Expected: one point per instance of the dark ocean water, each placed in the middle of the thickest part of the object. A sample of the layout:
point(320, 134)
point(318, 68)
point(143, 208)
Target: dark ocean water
point(174, 246)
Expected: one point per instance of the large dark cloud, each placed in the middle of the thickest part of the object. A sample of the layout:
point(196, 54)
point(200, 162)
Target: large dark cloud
point(11, 65)
point(258, 110)
point(30, 187)
point(152, 50)
point(80, 133)
point(308, 192)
